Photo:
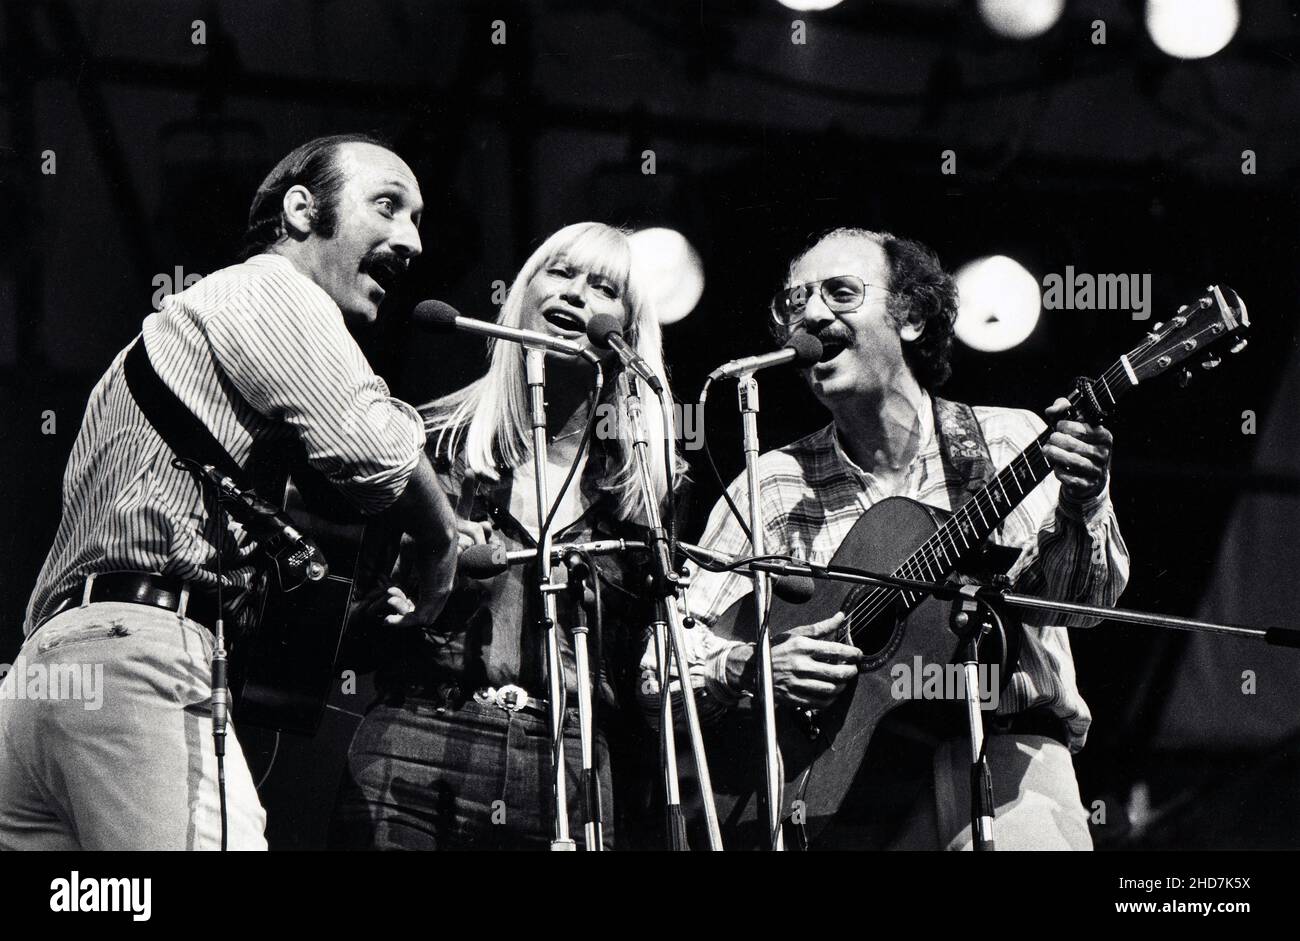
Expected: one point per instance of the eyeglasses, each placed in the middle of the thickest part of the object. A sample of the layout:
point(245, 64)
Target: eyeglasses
point(841, 294)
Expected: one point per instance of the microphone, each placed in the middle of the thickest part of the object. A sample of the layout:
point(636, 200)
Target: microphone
point(483, 560)
point(605, 332)
point(296, 556)
point(795, 589)
point(801, 349)
point(488, 559)
point(438, 315)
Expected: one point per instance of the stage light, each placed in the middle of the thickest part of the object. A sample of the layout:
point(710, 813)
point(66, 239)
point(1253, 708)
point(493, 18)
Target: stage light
point(999, 304)
point(1192, 29)
point(809, 5)
point(1021, 19)
point(671, 268)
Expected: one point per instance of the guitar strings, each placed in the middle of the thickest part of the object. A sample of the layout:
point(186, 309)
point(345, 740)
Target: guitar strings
point(927, 554)
point(879, 599)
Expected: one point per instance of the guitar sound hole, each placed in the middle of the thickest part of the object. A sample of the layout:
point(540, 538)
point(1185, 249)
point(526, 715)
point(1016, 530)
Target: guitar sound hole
point(875, 637)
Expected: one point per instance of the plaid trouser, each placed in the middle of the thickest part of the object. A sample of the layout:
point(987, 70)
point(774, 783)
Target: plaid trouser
point(476, 776)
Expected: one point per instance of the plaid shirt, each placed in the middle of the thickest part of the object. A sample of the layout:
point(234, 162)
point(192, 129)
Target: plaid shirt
point(813, 494)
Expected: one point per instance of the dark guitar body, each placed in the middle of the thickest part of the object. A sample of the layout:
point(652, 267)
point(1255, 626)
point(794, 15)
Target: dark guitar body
point(820, 769)
point(283, 668)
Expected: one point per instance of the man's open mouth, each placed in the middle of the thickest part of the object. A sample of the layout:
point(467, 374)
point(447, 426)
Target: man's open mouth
point(383, 270)
point(564, 321)
point(832, 346)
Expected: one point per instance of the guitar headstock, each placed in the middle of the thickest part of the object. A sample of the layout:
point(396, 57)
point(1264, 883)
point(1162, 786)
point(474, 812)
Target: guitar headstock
point(1200, 330)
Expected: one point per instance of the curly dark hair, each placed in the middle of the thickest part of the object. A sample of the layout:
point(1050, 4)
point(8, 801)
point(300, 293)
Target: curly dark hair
point(918, 284)
point(314, 165)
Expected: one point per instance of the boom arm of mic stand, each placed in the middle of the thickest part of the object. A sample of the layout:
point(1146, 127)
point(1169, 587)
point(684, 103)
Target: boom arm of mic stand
point(1276, 636)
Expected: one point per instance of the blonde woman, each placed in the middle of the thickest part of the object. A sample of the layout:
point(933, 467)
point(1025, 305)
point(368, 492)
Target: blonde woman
point(456, 751)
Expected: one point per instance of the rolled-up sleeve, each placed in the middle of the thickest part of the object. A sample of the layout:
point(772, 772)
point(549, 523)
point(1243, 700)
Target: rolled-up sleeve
point(286, 349)
point(1069, 553)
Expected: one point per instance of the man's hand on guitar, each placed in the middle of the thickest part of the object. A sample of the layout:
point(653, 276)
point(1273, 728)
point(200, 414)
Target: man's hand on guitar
point(807, 670)
point(1079, 455)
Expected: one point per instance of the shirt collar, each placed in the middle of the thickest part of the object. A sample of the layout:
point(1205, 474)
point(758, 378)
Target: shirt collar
point(927, 439)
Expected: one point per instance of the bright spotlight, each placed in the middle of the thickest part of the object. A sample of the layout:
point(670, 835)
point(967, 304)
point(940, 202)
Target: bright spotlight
point(671, 268)
point(1021, 19)
point(999, 304)
point(805, 5)
point(1192, 29)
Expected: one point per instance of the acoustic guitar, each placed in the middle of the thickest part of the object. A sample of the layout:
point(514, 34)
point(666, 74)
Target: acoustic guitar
point(283, 665)
point(822, 753)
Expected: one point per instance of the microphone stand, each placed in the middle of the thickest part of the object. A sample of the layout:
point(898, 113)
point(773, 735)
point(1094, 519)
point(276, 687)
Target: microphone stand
point(747, 393)
point(535, 373)
point(220, 660)
point(971, 627)
point(972, 597)
point(580, 571)
point(670, 636)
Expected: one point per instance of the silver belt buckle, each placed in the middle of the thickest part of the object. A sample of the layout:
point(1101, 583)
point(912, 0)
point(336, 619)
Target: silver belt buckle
point(512, 698)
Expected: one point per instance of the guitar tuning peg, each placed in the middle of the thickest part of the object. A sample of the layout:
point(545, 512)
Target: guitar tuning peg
point(1210, 361)
point(1238, 346)
point(1184, 379)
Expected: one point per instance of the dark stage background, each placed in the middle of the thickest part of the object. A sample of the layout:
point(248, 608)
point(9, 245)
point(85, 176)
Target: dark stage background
point(1109, 158)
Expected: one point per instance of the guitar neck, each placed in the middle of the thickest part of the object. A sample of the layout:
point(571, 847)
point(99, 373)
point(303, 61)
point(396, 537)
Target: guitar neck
point(972, 522)
point(1216, 319)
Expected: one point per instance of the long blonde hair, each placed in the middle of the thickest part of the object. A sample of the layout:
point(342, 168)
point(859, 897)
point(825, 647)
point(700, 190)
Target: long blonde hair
point(489, 418)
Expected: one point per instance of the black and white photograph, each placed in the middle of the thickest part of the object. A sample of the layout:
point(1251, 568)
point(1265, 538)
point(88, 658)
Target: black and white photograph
point(621, 426)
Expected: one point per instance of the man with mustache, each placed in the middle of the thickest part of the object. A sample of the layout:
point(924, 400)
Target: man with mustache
point(260, 353)
point(884, 310)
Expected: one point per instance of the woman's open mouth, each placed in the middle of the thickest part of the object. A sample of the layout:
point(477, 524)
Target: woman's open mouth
point(567, 324)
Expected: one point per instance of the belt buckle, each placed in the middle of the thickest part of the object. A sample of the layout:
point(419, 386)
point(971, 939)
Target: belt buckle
point(512, 698)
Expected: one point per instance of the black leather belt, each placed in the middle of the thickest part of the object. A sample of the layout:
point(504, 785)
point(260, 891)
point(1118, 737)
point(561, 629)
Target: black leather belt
point(156, 591)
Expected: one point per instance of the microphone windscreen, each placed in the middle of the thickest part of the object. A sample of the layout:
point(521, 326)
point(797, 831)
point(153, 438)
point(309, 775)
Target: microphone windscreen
point(435, 314)
point(483, 560)
point(600, 327)
point(795, 589)
point(807, 349)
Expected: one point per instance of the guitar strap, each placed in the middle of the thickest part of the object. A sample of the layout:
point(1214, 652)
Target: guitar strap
point(967, 463)
point(179, 427)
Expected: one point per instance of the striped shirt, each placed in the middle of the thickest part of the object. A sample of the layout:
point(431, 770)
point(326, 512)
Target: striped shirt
point(812, 494)
point(261, 355)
